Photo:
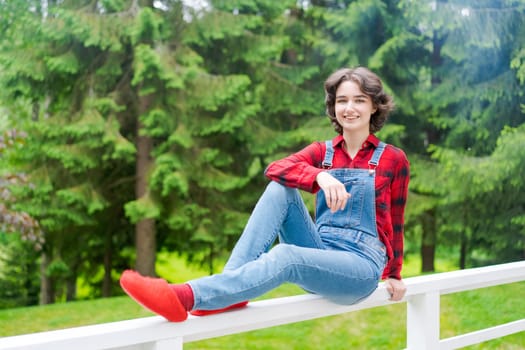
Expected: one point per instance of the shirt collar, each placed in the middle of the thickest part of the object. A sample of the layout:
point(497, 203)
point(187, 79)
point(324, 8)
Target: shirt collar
point(371, 139)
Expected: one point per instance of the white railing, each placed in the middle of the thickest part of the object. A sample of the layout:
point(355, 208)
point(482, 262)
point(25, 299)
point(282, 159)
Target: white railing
point(422, 298)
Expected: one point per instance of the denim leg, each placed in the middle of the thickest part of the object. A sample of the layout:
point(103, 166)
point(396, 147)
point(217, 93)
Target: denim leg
point(343, 277)
point(281, 212)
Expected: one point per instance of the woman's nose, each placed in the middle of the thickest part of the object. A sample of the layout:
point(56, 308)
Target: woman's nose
point(349, 105)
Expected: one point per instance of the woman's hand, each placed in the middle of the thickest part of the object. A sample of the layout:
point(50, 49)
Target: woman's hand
point(396, 288)
point(334, 191)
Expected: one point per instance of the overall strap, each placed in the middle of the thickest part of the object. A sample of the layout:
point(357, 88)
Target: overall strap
point(329, 155)
point(373, 163)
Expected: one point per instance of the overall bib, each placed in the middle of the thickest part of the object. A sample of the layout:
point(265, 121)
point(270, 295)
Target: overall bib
point(339, 256)
point(344, 229)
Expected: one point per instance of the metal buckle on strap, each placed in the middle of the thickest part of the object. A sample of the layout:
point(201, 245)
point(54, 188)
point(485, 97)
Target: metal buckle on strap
point(371, 169)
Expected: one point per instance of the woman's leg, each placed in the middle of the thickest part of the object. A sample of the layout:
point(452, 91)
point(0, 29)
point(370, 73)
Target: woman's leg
point(279, 212)
point(342, 276)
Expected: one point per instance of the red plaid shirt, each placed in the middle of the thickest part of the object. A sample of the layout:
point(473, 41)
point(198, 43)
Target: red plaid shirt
point(300, 170)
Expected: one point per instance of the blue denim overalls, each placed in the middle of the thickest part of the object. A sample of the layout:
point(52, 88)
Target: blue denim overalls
point(355, 227)
point(339, 256)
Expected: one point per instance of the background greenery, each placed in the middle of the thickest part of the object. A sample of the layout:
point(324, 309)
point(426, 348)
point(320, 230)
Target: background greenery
point(131, 127)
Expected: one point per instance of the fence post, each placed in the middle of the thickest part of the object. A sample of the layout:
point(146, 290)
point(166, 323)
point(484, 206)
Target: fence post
point(423, 321)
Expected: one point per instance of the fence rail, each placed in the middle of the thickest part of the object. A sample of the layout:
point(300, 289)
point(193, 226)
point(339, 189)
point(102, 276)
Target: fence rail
point(423, 312)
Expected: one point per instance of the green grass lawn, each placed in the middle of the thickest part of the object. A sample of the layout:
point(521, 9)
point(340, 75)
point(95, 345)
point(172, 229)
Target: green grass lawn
point(378, 328)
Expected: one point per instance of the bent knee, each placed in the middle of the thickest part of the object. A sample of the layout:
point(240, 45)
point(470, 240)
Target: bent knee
point(276, 190)
point(286, 254)
point(282, 250)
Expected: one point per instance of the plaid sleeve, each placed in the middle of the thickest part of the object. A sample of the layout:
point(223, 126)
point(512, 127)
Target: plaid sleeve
point(298, 170)
point(399, 192)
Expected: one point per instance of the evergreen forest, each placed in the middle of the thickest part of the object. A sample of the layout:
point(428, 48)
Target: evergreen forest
point(131, 127)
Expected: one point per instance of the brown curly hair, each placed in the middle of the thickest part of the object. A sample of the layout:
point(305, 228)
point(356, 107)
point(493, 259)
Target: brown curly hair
point(370, 84)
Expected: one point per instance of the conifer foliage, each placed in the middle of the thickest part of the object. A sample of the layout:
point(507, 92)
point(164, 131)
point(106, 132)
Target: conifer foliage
point(135, 129)
point(455, 68)
point(138, 125)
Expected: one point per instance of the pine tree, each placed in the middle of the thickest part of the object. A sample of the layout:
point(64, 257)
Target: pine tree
point(119, 80)
point(75, 154)
point(242, 105)
point(458, 91)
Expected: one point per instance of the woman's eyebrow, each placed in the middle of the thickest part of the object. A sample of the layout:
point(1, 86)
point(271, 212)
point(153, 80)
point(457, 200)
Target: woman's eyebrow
point(356, 96)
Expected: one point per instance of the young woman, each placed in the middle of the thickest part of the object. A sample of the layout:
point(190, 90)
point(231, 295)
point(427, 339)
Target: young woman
point(355, 240)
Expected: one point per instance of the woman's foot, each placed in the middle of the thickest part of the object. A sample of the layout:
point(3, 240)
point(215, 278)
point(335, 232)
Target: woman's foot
point(211, 312)
point(154, 294)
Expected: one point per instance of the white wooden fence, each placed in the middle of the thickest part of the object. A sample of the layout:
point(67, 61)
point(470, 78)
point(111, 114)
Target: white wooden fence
point(423, 311)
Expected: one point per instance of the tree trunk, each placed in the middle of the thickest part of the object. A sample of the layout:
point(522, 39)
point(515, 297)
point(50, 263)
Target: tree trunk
point(146, 247)
point(145, 240)
point(428, 241)
point(47, 294)
point(463, 251)
point(71, 288)
point(107, 282)
point(429, 237)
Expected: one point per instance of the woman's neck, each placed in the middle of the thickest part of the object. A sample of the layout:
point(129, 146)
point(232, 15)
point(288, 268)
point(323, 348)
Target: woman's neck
point(354, 142)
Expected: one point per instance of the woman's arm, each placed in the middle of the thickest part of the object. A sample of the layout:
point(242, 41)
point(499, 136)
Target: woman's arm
point(399, 193)
point(298, 170)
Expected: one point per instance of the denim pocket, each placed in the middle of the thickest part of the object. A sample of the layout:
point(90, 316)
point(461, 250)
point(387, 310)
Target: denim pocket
point(351, 215)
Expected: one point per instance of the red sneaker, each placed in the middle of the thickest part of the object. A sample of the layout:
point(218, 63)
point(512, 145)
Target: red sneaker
point(211, 312)
point(154, 294)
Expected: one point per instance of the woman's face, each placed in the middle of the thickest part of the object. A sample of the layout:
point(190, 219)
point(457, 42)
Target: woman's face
point(353, 108)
